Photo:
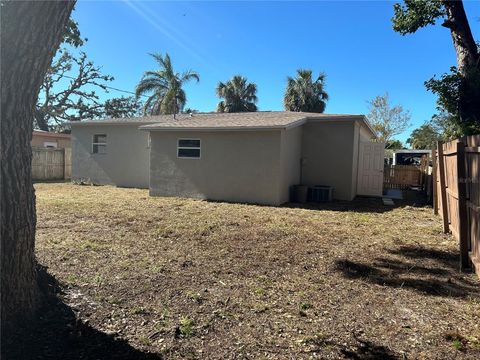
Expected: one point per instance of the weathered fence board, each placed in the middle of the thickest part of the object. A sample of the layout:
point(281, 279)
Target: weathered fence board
point(68, 163)
point(51, 164)
point(402, 176)
point(407, 176)
point(458, 195)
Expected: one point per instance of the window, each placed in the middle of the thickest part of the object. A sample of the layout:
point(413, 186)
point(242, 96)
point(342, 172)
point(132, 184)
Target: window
point(99, 144)
point(50, 145)
point(188, 148)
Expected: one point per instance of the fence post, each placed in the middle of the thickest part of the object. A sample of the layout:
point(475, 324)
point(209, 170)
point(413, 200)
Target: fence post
point(462, 206)
point(434, 182)
point(443, 188)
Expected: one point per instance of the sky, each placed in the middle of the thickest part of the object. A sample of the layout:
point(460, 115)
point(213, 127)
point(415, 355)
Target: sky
point(351, 42)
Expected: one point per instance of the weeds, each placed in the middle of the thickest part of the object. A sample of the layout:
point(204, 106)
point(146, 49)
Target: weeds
point(186, 328)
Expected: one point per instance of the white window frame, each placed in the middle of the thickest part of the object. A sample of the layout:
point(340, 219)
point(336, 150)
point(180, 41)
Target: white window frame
point(99, 143)
point(50, 145)
point(199, 148)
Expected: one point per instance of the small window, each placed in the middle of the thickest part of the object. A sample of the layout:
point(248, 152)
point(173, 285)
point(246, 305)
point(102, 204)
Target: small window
point(99, 145)
point(50, 145)
point(188, 148)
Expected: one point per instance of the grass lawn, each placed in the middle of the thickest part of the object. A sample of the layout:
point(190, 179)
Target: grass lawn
point(197, 279)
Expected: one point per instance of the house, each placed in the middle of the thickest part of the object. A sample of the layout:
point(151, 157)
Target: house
point(239, 157)
point(45, 139)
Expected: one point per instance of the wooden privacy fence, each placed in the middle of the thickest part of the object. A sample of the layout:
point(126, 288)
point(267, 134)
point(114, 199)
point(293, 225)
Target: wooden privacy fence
point(457, 195)
point(51, 164)
point(405, 176)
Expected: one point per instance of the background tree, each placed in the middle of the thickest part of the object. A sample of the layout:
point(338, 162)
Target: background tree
point(447, 89)
point(458, 91)
point(239, 95)
point(387, 121)
point(391, 146)
point(190, 111)
point(305, 94)
point(68, 91)
point(394, 145)
point(122, 107)
point(31, 33)
point(424, 137)
point(165, 87)
point(447, 125)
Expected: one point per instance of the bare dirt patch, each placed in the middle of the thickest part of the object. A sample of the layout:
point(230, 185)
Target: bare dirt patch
point(196, 279)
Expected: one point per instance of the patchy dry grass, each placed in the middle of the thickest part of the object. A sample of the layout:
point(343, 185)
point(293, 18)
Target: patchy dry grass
point(197, 279)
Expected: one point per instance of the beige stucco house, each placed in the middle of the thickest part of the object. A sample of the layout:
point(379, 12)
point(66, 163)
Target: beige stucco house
point(45, 139)
point(241, 157)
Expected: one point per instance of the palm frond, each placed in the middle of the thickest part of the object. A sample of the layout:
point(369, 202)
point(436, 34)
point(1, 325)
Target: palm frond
point(166, 85)
point(189, 75)
point(239, 95)
point(146, 86)
point(304, 94)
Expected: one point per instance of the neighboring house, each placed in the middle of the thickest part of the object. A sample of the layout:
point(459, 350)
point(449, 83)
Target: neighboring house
point(45, 139)
point(238, 157)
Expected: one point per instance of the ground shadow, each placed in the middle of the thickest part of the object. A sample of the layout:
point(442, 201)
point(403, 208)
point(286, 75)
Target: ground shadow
point(449, 259)
point(368, 350)
point(59, 334)
point(432, 272)
point(366, 204)
point(361, 350)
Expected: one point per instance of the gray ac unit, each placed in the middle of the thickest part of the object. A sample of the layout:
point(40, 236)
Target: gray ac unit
point(320, 193)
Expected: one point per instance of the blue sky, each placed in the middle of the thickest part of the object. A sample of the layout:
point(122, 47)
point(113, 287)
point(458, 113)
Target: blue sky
point(352, 42)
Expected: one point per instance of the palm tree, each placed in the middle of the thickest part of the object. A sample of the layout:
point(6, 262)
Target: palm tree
point(304, 94)
point(239, 95)
point(165, 88)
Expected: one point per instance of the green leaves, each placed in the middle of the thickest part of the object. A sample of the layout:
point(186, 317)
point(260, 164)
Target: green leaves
point(305, 94)
point(165, 87)
point(387, 121)
point(424, 137)
point(447, 89)
point(459, 90)
point(416, 14)
point(239, 95)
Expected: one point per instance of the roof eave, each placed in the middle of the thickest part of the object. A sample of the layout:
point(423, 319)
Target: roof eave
point(369, 127)
point(214, 128)
point(96, 123)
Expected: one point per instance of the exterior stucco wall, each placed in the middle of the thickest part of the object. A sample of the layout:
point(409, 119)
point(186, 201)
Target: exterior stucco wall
point(126, 162)
point(356, 149)
point(328, 152)
point(365, 135)
point(291, 154)
point(238, 166)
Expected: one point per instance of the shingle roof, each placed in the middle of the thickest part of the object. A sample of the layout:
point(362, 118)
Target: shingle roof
point(50, 134)
point(224, 121)
point(233, 121)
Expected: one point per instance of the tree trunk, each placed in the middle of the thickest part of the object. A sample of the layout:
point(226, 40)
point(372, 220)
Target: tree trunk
point(31, 33)
point(467, 61)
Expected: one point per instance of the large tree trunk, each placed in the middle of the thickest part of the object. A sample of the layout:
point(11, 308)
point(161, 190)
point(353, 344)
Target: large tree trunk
point(467, 61)
point(30, 34)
